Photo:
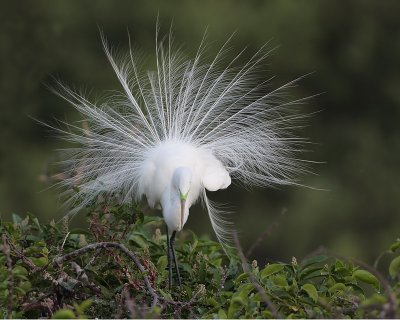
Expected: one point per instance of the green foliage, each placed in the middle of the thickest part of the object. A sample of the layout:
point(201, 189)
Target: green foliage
point(353, 47)
point(106, 283)
point(70, 314)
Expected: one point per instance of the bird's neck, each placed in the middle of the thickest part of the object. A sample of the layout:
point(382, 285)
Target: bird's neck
point(171, 209)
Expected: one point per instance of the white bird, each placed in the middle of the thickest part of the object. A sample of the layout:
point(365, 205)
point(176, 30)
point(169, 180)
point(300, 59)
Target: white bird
point(173, 133)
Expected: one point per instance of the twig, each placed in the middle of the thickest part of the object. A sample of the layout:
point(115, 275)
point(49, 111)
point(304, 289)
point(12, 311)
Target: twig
point(266, 233)
point(10, 282)
point(253, 279)
point(378, 258)
point(125, 250)
point(319, 251)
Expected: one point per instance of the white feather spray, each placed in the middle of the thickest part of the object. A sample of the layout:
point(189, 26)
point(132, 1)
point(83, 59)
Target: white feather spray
point(213, 114)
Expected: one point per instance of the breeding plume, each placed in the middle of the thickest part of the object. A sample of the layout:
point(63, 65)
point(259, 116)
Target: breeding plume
point(187, 127)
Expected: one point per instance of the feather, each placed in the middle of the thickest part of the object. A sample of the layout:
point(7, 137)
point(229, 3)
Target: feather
point(234, 123)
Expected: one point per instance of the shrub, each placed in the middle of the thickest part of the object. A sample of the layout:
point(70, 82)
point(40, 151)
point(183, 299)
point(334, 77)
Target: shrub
point(118, 268)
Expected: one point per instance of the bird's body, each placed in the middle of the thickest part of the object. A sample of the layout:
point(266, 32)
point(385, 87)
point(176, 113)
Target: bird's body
point(166, 166)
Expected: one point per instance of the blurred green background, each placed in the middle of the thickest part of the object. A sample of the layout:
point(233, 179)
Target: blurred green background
point(353, 48)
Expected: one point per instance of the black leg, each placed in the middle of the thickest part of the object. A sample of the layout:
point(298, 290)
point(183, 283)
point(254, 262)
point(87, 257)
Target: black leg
point(169, 261)
point(175, 259)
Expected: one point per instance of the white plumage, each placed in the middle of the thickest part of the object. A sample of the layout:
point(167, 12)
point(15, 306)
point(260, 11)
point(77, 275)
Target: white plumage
point(173, 133)
point(173, 168)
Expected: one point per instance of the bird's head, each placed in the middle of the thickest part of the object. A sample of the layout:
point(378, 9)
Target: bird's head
point(181, 182)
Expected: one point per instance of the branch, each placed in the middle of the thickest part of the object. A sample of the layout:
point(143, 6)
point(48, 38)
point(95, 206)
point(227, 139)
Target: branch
point(28, 262)
point(266, 233)
point(253, 279)
point(121, 247)
point(10, 282)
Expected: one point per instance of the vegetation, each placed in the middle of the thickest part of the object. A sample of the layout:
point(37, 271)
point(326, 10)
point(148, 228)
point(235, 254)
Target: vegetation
point(351, 48)
point(118, 268)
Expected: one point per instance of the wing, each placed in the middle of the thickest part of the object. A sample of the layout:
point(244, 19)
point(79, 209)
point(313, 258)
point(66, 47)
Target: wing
point(146, 182)
point(216, 177)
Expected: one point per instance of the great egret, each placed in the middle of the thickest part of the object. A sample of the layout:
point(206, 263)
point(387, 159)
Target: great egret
point(173, 133)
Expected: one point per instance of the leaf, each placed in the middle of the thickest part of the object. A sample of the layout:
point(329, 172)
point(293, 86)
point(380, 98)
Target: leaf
point(257, 297)
point(339, 265)
point(279, 281)
point(20, 290)
point(357, 289)
point(138, 239)
point(85, 304)
point(25, 285)
point(3, 286)
point(18, 270)
point(266, 314)
point(307, 273)
point(212, 302)
point(222, 314)
point(151, 219)
point(313, 260)
point(166, 295)
point(40, 262)
point(311, 291)
point(64, 314)
point(162, 263)
point(185, 266)
point(105, 292)
point(236, 304)
point(245, 289)
point(78, 309)
point(271, 269)
point(16, 218)
point(366, 277)
point(375, 299)
point(239, 299)
point(337, 287)
point(35, 221)
point(24, 222)
point(216, 262)
point(394, 267)
point(79, 231)
point(241, 277)
point(395, 246)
